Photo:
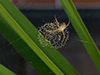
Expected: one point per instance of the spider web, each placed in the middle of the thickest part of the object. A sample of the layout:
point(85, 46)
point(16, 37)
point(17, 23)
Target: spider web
point(72, 50)
point(56, 38)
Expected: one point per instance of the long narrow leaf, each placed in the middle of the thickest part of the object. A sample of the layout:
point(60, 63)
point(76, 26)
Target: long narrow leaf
point(82, 32)
point(27, 40)
point(5, 71)
point(24, 38)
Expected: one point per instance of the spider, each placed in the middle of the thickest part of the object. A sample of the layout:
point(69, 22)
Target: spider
point(60, 27)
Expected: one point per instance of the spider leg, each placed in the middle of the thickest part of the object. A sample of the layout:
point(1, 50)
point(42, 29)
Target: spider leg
point(63, 35)
point(56, 21)
point(68, 23)
point(53, 31)
point(47, 30)
point(50, 31)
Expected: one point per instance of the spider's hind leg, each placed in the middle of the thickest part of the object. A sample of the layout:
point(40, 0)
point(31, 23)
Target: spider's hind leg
point(50, 31)
point(63, 35)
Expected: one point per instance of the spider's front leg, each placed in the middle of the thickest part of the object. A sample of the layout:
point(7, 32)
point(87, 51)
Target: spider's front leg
point(56, 21)
point(68, 23)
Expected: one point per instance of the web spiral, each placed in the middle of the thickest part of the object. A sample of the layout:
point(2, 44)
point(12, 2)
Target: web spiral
point(56, 38)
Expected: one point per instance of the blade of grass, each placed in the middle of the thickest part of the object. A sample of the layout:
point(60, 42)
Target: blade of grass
point(82, 32)
point(24, 38)
point(5, 71)
point(31, 44)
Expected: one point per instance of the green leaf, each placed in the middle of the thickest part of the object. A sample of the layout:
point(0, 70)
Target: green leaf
point(5, 71)
point(82, 32)
point(24, 38)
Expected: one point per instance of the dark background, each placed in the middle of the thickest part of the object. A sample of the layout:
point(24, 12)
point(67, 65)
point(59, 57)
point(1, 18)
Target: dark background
point(73, 51)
